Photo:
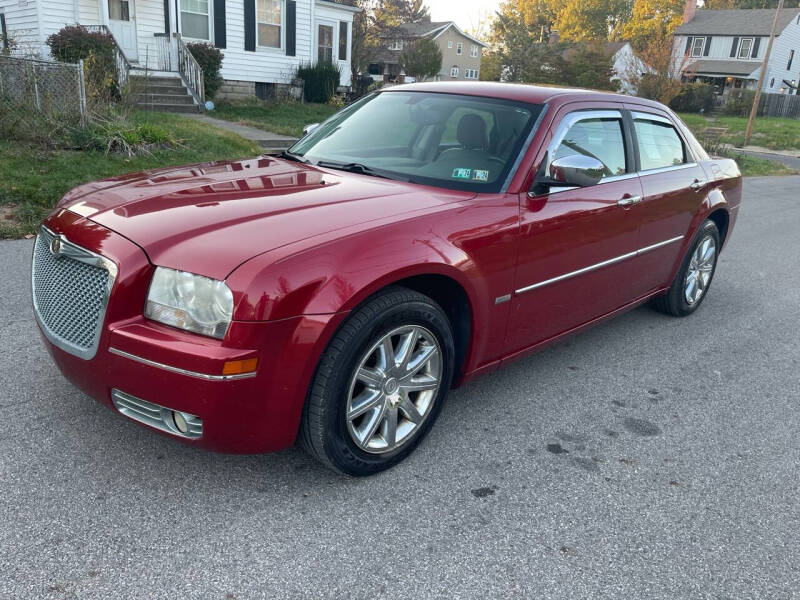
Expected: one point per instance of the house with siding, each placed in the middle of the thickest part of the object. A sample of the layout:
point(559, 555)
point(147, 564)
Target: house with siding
point(726, 48)
point(263, 41)
point(461, 53)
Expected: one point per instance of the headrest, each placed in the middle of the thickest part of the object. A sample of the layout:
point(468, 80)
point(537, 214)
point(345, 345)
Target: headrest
point(472, 132)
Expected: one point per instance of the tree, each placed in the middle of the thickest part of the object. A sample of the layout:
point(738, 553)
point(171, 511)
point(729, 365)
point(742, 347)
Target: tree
point(579, 20)
point(391, 13)
point(661, 79)
point(422, 59)
point(652, 20)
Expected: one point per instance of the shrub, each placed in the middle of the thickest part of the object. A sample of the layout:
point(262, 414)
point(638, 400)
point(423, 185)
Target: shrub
point(210, 60)
point(693, 97)
point(117, 135)
point(739, 102)
point(319, 81)
point(75, 42)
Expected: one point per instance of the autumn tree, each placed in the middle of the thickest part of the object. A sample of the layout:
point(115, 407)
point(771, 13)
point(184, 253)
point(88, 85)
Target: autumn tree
point(422, 59)
point(579, 20)
point(661, 79)
point(652, 21)
point(391, 13)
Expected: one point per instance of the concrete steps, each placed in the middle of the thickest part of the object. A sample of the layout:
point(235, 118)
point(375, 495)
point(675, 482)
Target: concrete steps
point(162, 94)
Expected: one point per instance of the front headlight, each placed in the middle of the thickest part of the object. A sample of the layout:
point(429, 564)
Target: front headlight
point(191, 302)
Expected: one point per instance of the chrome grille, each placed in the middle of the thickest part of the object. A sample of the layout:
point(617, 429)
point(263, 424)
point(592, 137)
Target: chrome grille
point(71, 286)
point(154, 415)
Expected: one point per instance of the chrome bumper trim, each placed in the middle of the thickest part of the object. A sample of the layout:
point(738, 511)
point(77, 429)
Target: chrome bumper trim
point(178, 370)
point(155, 415)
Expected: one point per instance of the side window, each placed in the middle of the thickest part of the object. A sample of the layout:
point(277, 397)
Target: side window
point(599, 137)
point(659, 144)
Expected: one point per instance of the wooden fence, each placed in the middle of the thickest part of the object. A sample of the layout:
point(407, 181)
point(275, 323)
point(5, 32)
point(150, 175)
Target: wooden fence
point(779, 105)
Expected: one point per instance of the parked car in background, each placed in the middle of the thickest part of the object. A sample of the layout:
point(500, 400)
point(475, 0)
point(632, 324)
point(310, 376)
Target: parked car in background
point(422, 236)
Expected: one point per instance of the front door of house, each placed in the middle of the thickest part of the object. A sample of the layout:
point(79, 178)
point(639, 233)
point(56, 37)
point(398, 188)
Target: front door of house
point(122, 24)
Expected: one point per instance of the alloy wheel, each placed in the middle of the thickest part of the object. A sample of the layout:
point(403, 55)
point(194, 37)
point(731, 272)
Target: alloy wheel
point(393, 389)
point(701, 267)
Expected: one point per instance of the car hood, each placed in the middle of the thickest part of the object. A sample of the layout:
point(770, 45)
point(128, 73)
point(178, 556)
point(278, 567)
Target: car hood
point(210, 218)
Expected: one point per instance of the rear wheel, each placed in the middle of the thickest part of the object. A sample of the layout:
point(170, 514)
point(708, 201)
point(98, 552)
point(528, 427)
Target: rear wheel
point(380, 384)
point(693, 280)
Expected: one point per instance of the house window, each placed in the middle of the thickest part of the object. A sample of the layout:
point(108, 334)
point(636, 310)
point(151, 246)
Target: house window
point(325, 43)
point(449, 43)
point(473, 50)
point(396, 45)
point(454, 72)
point(459, 47)
point(698, 44)
point(745, 46)
point(195, 22)
point(119, 10)
point(4, 32)
point(791, 58)
point(471, 73)
point(268, 23)
point(342, 40)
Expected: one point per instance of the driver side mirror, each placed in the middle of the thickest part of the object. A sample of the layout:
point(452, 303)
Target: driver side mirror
point(309, 128)
point(576, 170)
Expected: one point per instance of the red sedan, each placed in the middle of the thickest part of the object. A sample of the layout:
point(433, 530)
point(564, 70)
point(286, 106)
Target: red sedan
point(422, 236)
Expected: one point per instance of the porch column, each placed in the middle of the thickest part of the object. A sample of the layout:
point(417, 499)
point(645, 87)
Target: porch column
point(104, 11)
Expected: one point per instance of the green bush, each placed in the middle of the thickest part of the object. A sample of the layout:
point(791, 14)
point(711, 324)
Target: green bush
point(75, 42)
point(319, 81)
point(209, 58)
point(693, 97)
point(739, 102)
point(118, 135)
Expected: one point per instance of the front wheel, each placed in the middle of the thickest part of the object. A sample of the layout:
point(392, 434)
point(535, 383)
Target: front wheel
point(693, 280)
point(380, 384)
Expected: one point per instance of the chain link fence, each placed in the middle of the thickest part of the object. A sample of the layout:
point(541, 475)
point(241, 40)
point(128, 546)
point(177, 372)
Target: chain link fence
point(40, 97)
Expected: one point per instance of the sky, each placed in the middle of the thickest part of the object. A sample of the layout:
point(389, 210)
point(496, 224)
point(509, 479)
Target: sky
point(466, 13)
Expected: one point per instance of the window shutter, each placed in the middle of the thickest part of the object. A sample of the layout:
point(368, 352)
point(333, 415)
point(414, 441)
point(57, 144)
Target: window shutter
point(688, 45)
point(708, 46)
point(756, 43)
point(250, 25)
point(343, 40)
point(291, 27)
point(734, 47)
point(166, 17)
point(220, 38)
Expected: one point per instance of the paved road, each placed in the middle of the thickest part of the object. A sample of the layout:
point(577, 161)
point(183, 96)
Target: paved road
point(793, 162)
point(650, 457)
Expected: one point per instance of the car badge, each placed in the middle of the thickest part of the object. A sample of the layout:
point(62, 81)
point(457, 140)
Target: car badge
point(55, 247)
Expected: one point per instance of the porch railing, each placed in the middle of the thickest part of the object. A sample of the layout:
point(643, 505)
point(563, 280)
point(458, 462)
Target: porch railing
point(120, 60)
point(190, 71)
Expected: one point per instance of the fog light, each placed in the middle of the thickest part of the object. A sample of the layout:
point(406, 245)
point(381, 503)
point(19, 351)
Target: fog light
point(180, 421)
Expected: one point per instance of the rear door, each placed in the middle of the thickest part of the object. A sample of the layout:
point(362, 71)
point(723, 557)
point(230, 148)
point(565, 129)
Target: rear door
point(673, 186)
point(576, 244)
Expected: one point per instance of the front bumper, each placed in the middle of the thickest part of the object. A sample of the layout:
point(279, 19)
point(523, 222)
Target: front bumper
point(252, 413)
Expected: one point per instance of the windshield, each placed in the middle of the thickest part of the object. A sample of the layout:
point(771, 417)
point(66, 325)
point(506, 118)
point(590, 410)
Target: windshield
point(446, 140)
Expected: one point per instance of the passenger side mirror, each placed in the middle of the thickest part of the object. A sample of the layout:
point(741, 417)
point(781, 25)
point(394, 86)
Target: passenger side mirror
point(309, 128)
point(576, 170)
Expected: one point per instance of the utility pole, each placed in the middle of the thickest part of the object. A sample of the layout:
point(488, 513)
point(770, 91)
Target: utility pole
point(762, 75)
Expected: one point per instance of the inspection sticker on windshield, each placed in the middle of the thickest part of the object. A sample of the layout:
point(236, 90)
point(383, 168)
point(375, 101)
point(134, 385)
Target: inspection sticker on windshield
point(462, 173)
point(481, 175)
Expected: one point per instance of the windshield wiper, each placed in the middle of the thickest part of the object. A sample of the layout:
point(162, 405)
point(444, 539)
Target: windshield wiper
point(292, 156)
point(354, 167)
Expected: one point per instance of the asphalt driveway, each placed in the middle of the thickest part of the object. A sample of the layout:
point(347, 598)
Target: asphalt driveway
point(650, 457)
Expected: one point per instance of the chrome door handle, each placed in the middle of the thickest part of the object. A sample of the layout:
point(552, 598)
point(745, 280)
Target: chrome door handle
point(629, 201)
point(697, 184)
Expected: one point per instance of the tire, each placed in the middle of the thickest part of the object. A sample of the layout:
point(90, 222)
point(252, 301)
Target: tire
point(681, 300)
point(354, 372)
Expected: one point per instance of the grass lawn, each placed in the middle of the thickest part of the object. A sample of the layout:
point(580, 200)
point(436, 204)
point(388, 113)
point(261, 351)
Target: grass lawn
point(33, 178)
point(769, 132)
point(283, 118)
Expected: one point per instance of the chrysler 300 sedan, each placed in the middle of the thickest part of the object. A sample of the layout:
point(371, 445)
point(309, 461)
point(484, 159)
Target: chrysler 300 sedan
point(421, 236)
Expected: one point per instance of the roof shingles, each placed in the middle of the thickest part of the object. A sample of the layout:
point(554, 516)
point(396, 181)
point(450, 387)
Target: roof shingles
point(755, 21)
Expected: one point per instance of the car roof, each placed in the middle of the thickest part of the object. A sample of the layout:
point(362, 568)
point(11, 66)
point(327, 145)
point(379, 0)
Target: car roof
point(534, 94)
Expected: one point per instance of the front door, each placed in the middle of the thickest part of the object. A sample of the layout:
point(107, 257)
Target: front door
point(122, 24)
point(576, 244)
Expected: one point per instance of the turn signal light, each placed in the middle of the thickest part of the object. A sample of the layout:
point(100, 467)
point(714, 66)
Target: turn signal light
point(237, 367)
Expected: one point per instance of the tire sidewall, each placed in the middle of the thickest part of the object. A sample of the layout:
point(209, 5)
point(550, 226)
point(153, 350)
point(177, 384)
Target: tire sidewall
point(339, 445)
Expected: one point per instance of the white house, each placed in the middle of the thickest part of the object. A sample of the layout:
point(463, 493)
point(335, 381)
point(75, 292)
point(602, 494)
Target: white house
point(263, 41)
point(726, 48)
